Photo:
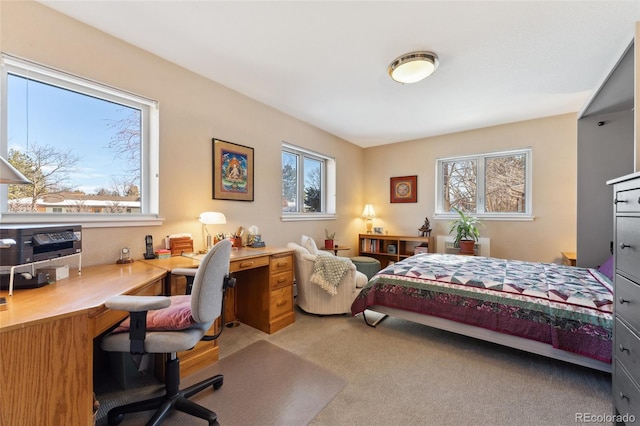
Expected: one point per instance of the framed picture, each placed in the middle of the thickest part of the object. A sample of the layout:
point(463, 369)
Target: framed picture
point(232, 171)
point(377, 231)
point(404, 189)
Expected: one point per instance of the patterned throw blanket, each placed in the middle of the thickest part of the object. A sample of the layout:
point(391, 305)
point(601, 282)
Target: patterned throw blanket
point(328, 272)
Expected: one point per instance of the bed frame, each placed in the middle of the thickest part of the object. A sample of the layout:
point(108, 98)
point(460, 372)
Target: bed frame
point(515, 342)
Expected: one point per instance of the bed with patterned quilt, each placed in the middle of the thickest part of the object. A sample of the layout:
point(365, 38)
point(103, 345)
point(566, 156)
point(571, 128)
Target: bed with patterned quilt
point(563, 312)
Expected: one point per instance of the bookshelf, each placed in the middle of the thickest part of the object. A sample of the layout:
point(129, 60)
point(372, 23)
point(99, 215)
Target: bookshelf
point(393, 248)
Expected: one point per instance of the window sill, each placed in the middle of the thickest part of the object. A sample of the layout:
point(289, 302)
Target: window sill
point(298, 217)
point(486, 217)
point(86, 220)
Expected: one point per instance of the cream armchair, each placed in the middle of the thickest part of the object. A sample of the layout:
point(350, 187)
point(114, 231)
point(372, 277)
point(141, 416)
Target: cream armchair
point(311, 297)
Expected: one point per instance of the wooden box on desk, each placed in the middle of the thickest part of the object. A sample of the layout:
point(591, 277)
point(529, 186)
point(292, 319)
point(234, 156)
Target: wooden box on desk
point(180, 245)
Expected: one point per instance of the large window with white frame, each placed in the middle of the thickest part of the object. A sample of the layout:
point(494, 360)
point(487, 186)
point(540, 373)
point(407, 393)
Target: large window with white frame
point(308, 184)
point(90, 150)
point(488, 185)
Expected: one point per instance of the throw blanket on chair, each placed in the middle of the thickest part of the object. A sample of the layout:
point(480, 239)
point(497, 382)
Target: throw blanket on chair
point(328, 272)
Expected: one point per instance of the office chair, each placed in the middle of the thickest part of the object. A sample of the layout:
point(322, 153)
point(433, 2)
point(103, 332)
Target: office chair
point(207, 296)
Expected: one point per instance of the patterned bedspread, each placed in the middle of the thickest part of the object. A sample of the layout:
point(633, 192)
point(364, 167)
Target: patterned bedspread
point(567, 307)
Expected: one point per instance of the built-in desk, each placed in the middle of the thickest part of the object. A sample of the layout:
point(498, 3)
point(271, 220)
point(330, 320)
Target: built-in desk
point(46, 342)
point(46, 334)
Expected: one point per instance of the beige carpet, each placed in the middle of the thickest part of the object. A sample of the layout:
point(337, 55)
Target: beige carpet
point(263, 385)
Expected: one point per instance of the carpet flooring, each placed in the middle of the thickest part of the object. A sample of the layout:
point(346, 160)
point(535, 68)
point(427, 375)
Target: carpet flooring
point(406, 374)
point(263, 385)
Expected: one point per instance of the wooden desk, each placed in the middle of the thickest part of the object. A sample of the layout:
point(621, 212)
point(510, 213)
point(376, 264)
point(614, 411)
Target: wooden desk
point(46, 342)
point(262, 297)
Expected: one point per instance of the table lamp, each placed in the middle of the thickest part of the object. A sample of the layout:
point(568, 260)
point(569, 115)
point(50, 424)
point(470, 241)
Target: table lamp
point(368, 214)
point(211, 218)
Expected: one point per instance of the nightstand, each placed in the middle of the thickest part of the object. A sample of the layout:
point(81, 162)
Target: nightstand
point(569, 258)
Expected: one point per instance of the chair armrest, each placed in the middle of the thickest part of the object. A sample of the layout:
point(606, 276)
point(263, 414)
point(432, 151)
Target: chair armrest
point(189, 272)
point(137, 303)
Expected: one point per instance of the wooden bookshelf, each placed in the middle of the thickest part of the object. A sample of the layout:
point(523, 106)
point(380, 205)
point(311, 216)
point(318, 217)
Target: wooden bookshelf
point(382, 246)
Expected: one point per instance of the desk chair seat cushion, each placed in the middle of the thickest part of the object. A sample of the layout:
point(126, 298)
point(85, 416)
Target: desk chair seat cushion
point(158, 342)
point(177, 316)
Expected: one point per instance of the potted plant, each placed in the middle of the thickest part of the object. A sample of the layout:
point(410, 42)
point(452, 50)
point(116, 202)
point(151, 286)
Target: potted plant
point(328, 240)
point(466, 230)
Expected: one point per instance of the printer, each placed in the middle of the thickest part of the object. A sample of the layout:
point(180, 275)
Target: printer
point(27, 244)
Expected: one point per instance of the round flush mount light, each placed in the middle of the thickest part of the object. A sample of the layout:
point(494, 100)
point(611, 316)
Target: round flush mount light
point(413, 67)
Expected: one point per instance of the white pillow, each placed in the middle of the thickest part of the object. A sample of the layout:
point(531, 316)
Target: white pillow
point(310, 244)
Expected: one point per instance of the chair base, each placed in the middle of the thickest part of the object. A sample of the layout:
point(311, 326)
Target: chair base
point(172, 399)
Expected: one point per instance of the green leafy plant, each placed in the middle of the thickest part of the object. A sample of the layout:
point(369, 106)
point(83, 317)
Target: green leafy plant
point(465, 227)
point(329, 235)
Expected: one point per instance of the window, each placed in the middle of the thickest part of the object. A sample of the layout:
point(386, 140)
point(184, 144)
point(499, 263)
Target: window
point(488, 185)
point(308, 184)
point(90, 151)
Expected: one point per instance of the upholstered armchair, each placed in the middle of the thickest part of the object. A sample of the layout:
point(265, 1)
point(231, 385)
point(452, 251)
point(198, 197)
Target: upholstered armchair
point(311, 297)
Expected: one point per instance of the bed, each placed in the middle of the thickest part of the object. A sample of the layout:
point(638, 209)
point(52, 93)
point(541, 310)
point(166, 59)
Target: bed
point(558, 311)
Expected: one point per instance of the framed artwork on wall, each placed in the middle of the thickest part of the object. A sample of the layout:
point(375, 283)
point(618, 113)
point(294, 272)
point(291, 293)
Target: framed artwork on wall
point(404, 189)
point(232, 171)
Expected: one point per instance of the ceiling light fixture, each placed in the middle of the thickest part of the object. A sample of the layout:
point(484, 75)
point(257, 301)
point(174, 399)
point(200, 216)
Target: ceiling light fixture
point(413, 67)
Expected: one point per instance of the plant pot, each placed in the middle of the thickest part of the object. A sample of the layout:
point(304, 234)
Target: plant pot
point(467, 247)
point(328, 244)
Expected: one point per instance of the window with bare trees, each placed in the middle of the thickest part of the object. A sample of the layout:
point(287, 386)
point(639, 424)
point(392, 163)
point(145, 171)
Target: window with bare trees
point(87, 148)
point(496, 184)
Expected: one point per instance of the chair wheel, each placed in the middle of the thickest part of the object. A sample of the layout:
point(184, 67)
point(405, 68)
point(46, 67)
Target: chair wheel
point(114, 420)
point(217, 384)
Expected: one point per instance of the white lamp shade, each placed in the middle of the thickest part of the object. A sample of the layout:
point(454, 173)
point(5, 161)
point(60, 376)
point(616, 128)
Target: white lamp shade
point(9, 174)
point(368, 212)
point(212, 218)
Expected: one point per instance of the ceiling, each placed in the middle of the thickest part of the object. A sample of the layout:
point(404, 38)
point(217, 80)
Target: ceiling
point(325, 62)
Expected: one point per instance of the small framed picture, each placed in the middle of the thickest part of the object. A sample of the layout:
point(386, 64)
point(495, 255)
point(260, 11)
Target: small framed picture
point(377, 230)
point(404, 189)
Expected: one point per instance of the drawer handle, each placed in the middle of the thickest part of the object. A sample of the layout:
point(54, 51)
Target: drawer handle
point(281, 303)
point(622, 300)
point(282, 279)
point(623, 396)
point(246, 264)
point(622, 349)
point(624, 246)
point(616, 201)
point(279, 264)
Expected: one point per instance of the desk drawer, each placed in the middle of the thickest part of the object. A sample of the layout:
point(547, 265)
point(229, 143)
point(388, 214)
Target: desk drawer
point(281, 263)
point(281, 302)
point(255, 262)
point(282, 279)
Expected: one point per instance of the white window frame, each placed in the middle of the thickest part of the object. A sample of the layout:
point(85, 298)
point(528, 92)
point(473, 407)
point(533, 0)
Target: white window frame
point(150, 141)
point(328, 189)
point(480, 190)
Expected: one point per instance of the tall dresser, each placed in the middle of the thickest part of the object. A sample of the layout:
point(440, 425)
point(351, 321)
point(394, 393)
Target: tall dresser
point(626, 332)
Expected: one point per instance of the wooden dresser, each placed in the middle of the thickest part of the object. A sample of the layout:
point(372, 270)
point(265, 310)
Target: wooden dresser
point(626, 340)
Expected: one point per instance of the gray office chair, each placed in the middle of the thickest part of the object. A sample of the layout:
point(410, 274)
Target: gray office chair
point(207, 296)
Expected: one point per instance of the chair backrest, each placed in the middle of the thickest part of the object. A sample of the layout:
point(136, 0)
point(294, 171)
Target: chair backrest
point(207, 291)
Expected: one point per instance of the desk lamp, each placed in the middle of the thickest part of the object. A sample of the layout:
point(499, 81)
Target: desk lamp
point(211, 218)
point(368, 214)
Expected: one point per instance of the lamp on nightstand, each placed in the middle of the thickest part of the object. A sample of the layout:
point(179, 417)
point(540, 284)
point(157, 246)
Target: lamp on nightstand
point(368, 214)
point(211, 218)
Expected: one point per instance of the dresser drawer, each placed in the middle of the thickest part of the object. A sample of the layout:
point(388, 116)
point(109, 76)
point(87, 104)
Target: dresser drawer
point(627, 301)
point(628, 201)
point(281, 263)
point(627, 349)
point(281, 302)
point(626, 395)
point(283, 279)
point(628, 245)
